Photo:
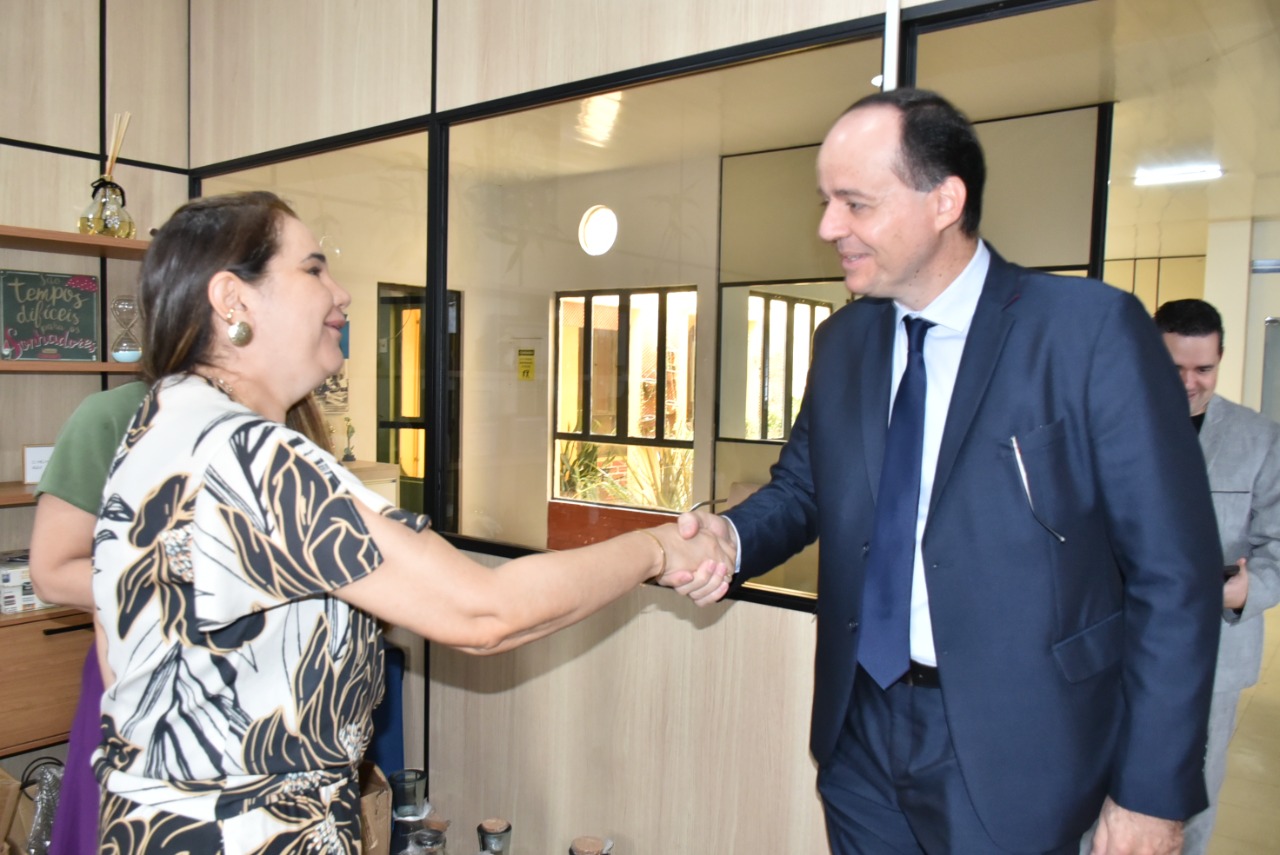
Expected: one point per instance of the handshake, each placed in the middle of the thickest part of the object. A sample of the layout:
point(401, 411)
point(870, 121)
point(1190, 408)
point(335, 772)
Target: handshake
point(700, 552)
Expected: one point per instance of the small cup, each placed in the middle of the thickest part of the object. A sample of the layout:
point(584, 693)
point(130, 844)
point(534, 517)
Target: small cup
point(408, 792)
point(494, 835)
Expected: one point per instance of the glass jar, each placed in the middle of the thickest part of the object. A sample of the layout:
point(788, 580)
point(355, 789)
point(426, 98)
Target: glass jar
point(494, 835)
point(425, 841)
point(589, 846)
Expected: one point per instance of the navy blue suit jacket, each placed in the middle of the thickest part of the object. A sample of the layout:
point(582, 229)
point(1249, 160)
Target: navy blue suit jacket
point(1071, 668)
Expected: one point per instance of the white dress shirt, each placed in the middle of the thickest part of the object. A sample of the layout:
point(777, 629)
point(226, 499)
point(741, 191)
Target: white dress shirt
point(951, 313)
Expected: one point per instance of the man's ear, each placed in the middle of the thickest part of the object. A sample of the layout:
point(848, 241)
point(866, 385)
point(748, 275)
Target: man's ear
point(950, 197)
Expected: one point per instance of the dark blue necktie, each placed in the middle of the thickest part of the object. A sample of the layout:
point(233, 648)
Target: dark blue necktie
point(885, 647)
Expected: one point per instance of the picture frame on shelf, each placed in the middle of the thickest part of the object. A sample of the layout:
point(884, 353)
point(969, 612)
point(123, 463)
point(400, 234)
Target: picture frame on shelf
point(49, 317)
point(34, 459)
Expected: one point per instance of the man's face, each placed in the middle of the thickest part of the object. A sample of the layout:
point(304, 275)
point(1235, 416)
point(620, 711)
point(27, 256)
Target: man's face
point(886, 232)
point(1197, 358)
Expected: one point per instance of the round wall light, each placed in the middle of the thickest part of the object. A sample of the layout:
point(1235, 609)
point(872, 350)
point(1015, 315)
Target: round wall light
point(597, 230)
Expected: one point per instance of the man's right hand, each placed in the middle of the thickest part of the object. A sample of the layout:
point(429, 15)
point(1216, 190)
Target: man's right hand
point(1234, 592)
point(691, 523)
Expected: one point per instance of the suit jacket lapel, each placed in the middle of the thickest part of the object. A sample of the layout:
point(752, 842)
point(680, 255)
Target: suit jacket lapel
point(987, 333)
point(877, 372)
point(1210, 435)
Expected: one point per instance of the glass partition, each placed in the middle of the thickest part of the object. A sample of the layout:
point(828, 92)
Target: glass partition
point(589, 381)
point(779, 280)
point(367, 205)
point(766, 338)
point(716, 272)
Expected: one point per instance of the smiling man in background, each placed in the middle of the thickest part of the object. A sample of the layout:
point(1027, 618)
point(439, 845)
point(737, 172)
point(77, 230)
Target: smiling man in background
point(1242, 452)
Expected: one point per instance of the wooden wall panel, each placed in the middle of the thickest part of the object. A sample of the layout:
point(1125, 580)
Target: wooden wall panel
point(49, 191)
point(35, 406)
point(49, 65)
point(492, 48)
point(269, 75)
point(42, 190)
point(147, 76)
point(151, 195)
point(666, 727)
point(15, 527)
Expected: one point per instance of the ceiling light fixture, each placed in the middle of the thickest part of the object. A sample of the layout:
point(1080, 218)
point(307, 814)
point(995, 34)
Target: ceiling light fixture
point(597, 116)
point(597, 230)
point(1177, 174)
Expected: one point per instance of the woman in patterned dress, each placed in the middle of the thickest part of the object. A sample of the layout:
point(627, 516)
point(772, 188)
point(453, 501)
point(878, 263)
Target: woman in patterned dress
point(240, 570)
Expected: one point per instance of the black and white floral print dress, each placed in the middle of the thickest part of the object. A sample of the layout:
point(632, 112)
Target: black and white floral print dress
point(242, 688)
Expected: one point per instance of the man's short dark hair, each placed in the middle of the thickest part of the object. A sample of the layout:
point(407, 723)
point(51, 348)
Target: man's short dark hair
point(1193, 318)
point(938, 141)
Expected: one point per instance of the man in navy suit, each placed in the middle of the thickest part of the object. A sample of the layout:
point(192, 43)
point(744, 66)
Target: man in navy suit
point(1060, 560)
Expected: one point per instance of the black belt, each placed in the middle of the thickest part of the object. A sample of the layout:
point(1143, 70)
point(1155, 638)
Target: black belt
point(921, 676)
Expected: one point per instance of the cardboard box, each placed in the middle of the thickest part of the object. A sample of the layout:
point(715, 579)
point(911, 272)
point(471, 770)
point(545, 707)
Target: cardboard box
point(16, 592)
point(9, 794)
point(17, 812)
point(14, 573)
point(15, 599)
point(375, 810)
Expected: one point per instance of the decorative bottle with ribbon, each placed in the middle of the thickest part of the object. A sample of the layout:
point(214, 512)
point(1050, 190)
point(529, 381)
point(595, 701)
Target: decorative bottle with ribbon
point(106, 214)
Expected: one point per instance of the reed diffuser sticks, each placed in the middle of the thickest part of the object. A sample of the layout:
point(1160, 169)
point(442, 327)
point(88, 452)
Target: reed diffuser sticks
point(106, 213)
point(119, 125)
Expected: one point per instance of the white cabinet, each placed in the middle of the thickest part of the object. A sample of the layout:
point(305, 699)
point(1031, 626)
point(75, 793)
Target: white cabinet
point(381, 478)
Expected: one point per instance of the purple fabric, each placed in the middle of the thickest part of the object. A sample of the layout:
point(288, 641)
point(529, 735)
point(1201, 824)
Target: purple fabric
point(75, 825)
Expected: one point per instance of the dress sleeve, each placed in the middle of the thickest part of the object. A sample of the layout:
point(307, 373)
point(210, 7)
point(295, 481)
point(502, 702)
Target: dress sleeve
point(276, 521)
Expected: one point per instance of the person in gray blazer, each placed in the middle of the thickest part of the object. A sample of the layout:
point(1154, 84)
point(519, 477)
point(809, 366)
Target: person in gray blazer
point(1242, 453)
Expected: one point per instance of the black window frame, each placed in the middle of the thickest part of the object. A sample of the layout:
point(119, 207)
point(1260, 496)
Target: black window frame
point(621, 366)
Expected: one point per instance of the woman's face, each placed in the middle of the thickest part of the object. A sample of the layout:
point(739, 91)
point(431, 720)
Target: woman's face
point(298, 313)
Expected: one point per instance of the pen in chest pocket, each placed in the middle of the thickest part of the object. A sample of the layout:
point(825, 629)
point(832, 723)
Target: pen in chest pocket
point(1026, 489)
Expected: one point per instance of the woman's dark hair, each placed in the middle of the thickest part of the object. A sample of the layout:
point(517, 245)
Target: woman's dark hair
point(238, 232)
point(937, 142)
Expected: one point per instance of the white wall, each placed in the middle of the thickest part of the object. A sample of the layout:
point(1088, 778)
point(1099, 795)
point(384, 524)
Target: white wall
point(1264, 302)
point(374, 221)
point(512, 247)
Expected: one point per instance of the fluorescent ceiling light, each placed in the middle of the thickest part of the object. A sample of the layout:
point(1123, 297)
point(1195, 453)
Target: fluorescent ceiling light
point(1177, 174)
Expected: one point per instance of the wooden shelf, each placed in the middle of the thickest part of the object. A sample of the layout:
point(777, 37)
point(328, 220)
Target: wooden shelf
point(18, 618)
point(15, 494)
point(71, 243)
point(59, 366)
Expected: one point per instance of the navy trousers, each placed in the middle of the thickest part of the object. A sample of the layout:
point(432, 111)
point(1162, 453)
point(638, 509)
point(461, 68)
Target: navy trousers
point(893, 784)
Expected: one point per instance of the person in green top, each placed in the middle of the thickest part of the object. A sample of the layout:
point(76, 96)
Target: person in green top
point(68, 496)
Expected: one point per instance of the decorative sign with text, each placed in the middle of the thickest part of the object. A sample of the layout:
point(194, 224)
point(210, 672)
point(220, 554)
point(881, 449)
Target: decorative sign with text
point(51, 316)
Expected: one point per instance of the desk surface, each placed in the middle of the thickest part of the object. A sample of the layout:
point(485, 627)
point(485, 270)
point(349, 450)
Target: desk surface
point(372, 470)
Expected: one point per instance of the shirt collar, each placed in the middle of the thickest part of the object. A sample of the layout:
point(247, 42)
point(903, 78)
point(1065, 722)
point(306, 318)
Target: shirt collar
point(954, 307)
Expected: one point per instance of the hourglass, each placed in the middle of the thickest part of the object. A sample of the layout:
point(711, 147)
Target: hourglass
point(125, 348)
